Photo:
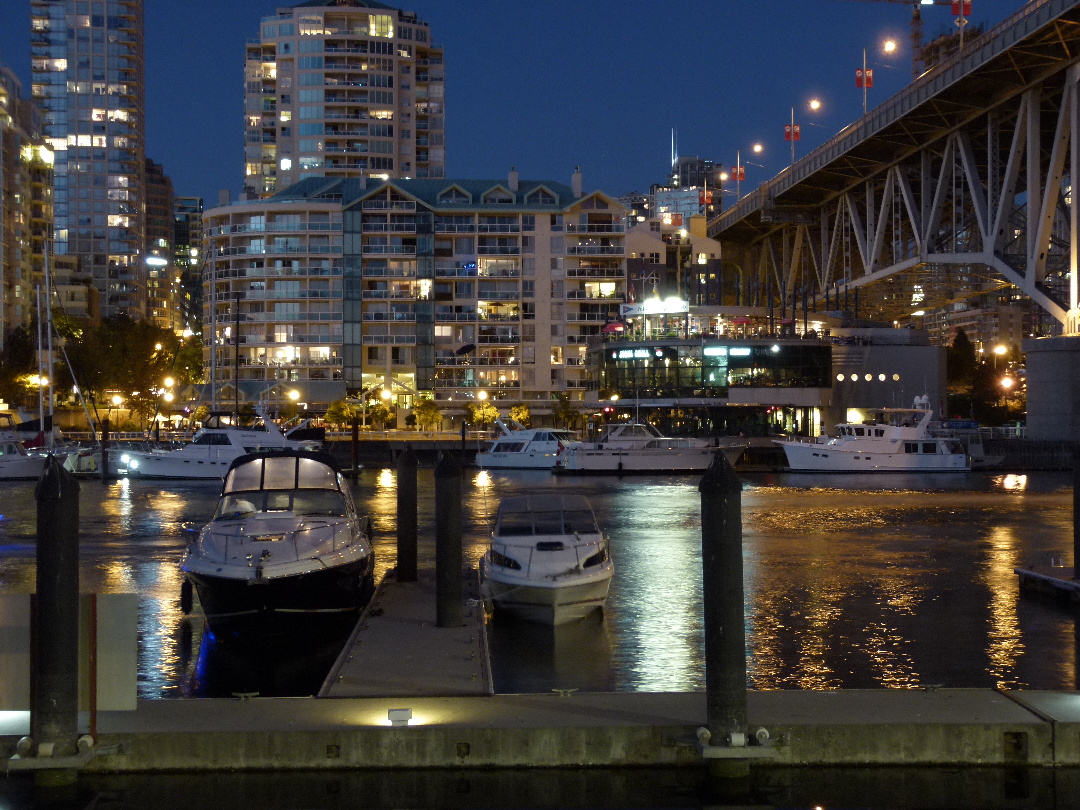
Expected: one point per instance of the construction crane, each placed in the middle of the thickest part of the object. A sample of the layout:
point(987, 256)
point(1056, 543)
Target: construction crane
point(916, 27)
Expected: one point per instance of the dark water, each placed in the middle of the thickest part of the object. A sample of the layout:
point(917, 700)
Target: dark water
point(856, 582)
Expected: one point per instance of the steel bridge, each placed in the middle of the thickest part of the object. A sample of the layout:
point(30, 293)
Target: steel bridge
point(959, 186)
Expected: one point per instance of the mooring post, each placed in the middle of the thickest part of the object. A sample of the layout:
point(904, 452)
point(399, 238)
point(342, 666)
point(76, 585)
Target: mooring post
point(105, 449)
point(722, 592)
point(406, 516)
point(448, 578)
point(54, 714)
point(355, 448)
point(1076, 514)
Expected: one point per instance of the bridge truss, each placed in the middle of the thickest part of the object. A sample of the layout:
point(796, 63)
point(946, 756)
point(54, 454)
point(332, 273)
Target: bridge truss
point(959, 186)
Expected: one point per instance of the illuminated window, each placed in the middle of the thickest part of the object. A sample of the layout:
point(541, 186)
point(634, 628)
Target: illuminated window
point(381, 25)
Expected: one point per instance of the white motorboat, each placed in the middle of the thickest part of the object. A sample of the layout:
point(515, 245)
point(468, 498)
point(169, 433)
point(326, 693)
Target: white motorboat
point(286, 549)
point(213, 448)
point(16, 462)
point(548, 561)
point(521, 448)
point(891, 440)
point(638, 447)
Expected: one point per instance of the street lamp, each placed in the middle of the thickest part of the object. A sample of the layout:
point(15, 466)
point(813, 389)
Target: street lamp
point(998, 352)
point(865, 78)
point(792, 132)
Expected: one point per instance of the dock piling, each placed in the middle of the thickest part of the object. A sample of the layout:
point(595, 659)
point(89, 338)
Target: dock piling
point(105, 449)
point(55, 665)
point(725, 739)
point(406, 516)
point(448, 552)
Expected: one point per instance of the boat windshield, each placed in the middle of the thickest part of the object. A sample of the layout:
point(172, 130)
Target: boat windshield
point(298, 501)
point(551, 521)
point(281, 472)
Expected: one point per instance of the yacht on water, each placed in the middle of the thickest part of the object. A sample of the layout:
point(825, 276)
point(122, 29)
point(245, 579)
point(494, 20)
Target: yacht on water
point(891, 440)
point(548, 561)
point(214, 447)
point(286, 550)
point(638, 447)
point(521, 448)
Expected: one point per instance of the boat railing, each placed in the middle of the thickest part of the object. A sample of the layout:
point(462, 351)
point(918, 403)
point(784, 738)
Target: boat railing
point(237, 545)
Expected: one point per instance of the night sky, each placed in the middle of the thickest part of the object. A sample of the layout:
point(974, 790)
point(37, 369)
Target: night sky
point(549, 85)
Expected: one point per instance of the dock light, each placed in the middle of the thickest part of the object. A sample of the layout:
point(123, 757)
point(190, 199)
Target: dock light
point(399, 717)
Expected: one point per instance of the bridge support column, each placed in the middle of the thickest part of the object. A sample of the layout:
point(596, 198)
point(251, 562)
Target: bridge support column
point(1053, 388)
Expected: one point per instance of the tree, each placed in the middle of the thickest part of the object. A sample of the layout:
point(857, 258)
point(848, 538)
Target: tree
point(428, 414)
point(960, 362)
point(481, 414)
point(522, 414)
point(341, 413)
point(380, 412)
point(565, 412)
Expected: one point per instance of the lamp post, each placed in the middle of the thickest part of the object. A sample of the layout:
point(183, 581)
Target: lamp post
point(998, 352)
point(793, 132)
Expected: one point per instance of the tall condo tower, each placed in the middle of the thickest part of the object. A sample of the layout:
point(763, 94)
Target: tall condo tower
point(342, 88)
point(87, 73)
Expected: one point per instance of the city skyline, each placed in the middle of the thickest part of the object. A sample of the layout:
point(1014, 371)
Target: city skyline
point(547, 100)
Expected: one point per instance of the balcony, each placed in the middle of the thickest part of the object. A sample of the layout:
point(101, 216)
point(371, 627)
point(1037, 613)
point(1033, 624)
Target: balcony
point(382, 317)
point(388, 250)
point(596, 227)
point(388, 205)
point(595, 250)
point(388, 295)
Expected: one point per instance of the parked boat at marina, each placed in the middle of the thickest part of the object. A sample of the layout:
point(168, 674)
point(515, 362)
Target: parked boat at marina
point(16, 462)
point(638, 447)
point(548, 561)
point(287, 547)
point(521, 448)
point(891, 440)
point(214, 447)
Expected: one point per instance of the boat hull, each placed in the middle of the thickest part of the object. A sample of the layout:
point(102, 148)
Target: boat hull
point(140, 464)
point(517, 461)
point(552, 605)
point(604, 461)
point(319, 599)
point(810, 457)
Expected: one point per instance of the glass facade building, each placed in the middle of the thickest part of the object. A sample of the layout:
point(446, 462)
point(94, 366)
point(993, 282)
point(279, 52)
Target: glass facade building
point(87, 68)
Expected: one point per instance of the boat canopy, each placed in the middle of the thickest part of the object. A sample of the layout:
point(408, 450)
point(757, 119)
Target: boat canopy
point(545, 514)
point(282, 470)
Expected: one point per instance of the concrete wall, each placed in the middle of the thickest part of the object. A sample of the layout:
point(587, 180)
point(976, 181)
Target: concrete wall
point(1053, 388)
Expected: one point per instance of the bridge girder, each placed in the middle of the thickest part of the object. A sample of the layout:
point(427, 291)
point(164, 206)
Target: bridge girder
point(958, 186)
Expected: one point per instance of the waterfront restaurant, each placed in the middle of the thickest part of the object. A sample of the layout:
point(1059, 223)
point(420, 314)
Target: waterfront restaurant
point(716, 386)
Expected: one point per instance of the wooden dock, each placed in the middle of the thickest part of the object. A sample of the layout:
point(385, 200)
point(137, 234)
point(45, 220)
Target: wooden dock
point(398, 650)
point(1058, 581)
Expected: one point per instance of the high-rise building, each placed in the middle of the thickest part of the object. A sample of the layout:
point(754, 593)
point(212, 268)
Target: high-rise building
point(188, 258)
point(162, 283)
point(26, 165)
point(342, 88)
point(87, 69)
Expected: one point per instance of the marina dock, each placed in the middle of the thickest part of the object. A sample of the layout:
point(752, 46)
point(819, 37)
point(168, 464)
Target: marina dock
point(398, 659)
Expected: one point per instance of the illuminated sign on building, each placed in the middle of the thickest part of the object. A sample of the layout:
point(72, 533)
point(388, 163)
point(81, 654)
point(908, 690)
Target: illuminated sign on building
point(655, 306)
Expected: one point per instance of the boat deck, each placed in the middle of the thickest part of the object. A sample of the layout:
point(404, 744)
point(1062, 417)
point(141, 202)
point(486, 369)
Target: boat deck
point(397, 649)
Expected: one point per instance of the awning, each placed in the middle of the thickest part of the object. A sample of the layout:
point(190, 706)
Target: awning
point(614, 326)
point(741, 319)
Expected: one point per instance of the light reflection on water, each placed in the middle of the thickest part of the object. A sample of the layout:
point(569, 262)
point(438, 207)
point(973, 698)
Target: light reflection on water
point(894, 581)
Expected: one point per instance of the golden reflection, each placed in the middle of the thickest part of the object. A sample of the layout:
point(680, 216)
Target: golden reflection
point(1004, 643)
point(1012, 482)
point(387, 478)
point(483, 480)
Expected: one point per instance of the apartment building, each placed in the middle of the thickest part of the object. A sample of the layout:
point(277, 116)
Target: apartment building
point(188, 258)
point(162, 278)
point(440, 288)
point(87, 72)
point(26, 166)
point(342, 88)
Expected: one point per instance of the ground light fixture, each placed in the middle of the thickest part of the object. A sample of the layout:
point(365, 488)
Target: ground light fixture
point(399, 717)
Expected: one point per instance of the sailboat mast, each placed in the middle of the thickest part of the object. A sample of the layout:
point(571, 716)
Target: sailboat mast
point(40, 370)
point(48, 343)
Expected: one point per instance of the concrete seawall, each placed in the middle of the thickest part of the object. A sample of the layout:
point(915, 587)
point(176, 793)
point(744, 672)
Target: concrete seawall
point(441, 675)
point(842, 728)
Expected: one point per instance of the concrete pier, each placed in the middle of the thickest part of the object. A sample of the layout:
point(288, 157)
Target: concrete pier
point(399, 659)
